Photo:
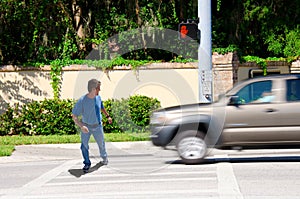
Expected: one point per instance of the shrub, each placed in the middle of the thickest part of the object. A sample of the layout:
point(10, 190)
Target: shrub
point(6, 121)
point(50, 116)
point(141, 108)
point(130, 115)
point(54, 116)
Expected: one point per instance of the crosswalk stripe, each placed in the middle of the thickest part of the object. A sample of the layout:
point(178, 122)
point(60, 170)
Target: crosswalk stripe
point(122, 175)
point(106, 175)
point(38, 182)
point(128, 181)
point(227, 185)
point(200, 193)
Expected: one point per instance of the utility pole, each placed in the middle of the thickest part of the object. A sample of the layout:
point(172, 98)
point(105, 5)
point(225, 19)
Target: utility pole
point(205, 52)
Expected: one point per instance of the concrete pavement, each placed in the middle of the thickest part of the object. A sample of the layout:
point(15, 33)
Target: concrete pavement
point(40, 152)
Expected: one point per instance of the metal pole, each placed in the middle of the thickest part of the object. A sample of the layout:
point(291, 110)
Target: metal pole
point(205, 52)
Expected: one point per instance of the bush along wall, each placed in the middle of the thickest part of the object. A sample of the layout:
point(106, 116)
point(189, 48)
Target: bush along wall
point(131, 114)
point(54, 116)
point(47, 117)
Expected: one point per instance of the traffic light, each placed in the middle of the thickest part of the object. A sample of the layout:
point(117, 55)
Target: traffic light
point(188, 31)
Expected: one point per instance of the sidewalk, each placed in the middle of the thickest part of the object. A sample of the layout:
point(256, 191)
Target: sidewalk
point(40, 152)
point(52, 152)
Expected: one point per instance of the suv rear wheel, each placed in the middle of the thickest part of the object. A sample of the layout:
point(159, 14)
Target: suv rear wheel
point(191, 146)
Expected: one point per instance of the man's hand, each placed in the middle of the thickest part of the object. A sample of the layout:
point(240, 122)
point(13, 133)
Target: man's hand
point(84, 129)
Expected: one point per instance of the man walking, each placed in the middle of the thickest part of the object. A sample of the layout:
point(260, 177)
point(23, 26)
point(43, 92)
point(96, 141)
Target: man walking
point(88, 107)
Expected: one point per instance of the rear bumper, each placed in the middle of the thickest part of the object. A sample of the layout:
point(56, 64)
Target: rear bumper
point(162, 135)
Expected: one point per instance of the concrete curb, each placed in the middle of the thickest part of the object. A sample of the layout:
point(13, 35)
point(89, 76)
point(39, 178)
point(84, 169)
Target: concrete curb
point(42, 152)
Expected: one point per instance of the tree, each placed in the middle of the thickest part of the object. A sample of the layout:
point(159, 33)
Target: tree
point(44, 30)
point(258, 27)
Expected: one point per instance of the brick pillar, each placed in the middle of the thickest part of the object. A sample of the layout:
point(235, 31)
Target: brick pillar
point(224, 72)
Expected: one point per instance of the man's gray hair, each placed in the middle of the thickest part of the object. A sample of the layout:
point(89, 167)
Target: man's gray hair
point(93, 83)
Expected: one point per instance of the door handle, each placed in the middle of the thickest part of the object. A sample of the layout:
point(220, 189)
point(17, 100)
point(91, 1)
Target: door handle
point(270, 110)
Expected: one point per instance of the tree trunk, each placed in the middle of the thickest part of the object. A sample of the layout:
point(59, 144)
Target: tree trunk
point(77, 13)
point(137, 13)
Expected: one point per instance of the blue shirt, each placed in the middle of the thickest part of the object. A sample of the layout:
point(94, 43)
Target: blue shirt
point(86, 107)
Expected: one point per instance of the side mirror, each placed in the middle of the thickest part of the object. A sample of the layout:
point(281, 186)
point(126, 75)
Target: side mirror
point(234, 100)
point(221, 96)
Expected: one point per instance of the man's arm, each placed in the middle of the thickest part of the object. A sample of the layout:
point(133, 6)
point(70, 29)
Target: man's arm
point(107, 115)
point(83, 128)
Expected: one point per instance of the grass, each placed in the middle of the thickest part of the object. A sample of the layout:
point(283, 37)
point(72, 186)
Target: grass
point(7, 143)
point(6, 150)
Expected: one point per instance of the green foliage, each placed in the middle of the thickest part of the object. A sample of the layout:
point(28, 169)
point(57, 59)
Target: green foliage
point(286, 43)
point(141, 108)
point(181, 59)
point(119, 61)
point(219, 2)
point(6, 125)
point(130, 115)
point(54, 116)
point(275, 43)
point(58, 64)
point(50, 116)
point(39, 139)
point(6, 150)
point(230, 48)
point(258, 28)
point(292, 47)
point(55, 74)
point(42, 31)
point(8, 142)
point(125, 137)
point(259, 61)
point(36, 30)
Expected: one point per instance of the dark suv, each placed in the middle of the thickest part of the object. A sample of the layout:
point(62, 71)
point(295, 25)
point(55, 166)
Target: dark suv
point(259, 112)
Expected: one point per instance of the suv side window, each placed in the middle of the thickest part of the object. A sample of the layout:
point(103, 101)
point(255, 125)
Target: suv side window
point(293, 90)
point(256, 92)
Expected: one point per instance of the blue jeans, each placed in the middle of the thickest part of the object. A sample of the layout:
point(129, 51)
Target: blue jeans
point(99, 137)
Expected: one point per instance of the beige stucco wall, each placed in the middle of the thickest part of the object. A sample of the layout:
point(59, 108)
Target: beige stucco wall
point(171, 83)
point(170, 87)
point(23, 86)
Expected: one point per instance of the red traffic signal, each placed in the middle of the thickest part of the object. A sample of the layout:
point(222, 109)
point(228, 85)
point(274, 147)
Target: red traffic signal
point(188, 31)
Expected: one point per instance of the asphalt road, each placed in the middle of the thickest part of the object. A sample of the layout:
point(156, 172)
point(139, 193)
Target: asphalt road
point(140, 170)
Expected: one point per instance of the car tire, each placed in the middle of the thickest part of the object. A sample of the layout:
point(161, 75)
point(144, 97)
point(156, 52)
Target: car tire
point(191, 146)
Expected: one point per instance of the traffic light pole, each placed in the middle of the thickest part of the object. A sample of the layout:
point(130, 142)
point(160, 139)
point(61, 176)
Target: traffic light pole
point(205, 52)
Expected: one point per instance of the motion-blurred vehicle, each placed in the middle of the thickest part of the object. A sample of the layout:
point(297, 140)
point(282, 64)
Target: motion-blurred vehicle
point(259, 112)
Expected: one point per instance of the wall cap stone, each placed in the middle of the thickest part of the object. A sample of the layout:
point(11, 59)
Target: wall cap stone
point(218, 61)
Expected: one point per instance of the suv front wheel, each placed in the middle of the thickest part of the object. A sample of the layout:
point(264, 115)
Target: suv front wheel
point(191, 146)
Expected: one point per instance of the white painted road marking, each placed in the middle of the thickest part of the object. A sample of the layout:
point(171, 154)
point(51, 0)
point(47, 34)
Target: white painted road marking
point(39, 182)
point(228, 187)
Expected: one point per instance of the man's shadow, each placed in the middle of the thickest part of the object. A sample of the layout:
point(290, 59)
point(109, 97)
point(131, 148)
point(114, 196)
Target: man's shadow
point(79, 172)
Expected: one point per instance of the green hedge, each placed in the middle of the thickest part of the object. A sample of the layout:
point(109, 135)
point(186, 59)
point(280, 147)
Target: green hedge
point(47, 117)
point(53, 116)
point(130, 115)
